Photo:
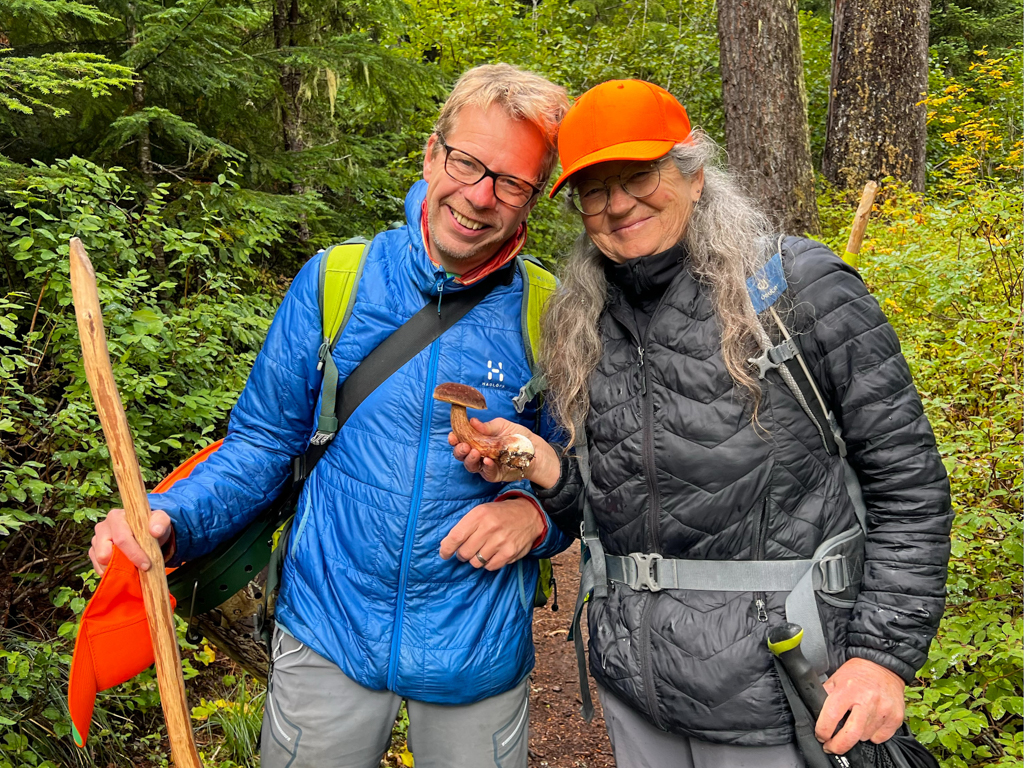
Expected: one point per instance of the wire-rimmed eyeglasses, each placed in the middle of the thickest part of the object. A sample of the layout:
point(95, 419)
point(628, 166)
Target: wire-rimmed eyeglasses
point(591, 196)
point(466, 169)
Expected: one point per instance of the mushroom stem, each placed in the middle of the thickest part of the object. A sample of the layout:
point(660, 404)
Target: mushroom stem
point(512, 451)
point(461, 426)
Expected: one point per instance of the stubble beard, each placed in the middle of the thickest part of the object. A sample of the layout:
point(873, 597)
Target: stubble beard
point(461, 256)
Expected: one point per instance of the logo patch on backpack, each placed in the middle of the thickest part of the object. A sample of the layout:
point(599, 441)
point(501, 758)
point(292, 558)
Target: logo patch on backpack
point(767, 284)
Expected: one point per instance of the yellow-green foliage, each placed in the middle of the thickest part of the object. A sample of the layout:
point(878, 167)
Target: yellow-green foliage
point(947, 269)
point(949, 276)
point(974, 122)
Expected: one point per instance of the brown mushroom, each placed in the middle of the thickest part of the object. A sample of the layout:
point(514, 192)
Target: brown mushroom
point(510, 451)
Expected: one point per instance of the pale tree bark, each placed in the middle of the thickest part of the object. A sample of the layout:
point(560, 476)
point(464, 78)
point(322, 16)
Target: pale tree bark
point(138, 103)
point(766, 108)
point(876, 118)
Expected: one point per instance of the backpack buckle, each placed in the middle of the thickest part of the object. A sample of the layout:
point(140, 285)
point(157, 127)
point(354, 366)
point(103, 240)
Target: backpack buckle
point(835, 574)
point(321, 438)
point(773, 357)
point(646, 571)
point(537, 384)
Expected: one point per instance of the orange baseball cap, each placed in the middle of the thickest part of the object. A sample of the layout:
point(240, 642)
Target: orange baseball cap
point(113, 642)
point(619, 120)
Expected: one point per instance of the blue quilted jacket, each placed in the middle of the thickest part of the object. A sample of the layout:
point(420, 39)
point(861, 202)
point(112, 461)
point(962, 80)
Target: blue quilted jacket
point(363, 583)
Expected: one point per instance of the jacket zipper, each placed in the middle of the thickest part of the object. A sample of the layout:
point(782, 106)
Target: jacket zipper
point(760, 598)
point(410, 526)
point(647, 661)
point(439, 284)
point(643, 371)
point(654, 511)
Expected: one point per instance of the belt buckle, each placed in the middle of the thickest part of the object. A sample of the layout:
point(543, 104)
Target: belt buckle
point(646, 570)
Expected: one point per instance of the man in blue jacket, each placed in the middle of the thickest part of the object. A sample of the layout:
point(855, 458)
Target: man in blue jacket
point(373, 607)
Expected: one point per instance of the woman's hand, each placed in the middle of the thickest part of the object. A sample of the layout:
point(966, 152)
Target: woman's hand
point(873, 696)
point(544, 470)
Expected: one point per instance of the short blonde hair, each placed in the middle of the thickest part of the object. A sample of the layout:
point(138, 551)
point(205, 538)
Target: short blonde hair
point(521, 94)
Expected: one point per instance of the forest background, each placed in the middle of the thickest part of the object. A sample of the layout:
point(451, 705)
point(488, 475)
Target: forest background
point(204, 149)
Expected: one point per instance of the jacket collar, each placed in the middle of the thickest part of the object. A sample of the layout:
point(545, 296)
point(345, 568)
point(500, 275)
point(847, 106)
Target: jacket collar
point(648, 276)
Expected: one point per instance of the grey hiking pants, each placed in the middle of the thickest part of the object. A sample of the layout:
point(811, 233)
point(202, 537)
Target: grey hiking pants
point(317, 717)
point(638, 744)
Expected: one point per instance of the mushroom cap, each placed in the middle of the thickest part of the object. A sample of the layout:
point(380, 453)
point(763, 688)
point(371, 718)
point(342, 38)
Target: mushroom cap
point(460, 394)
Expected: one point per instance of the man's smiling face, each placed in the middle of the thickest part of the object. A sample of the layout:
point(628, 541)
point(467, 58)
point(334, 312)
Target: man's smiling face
point(468, 224)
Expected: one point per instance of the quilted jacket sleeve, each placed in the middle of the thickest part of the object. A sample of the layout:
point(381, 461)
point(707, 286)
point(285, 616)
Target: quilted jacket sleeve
point(554, 540)
point(564, 500)
point(270, 423)
point(855, 357)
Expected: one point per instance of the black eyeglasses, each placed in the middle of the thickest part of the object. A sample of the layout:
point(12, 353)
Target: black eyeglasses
point(592, 196)
point(466, 169)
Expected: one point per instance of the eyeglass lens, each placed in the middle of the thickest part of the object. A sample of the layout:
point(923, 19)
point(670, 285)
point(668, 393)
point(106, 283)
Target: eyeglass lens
point(466, 169)
point(638, 179)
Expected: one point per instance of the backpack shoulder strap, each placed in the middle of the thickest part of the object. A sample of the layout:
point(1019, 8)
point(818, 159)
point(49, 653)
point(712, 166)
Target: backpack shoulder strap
point(765, 288)
point(538, 286)
point(340, 269)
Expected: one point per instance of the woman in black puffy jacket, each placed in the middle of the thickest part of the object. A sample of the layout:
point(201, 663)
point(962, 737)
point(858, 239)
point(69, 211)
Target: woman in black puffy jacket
point(654, 343)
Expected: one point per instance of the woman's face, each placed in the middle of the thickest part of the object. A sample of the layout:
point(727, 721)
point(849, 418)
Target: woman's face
point(632, 227)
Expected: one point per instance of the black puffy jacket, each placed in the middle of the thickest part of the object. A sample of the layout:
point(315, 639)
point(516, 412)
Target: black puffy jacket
point(678, 468)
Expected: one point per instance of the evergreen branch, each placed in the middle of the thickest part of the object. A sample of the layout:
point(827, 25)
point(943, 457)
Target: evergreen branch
point(174, 39)
point(33, 83)
point(126, 129)
point(53, 10)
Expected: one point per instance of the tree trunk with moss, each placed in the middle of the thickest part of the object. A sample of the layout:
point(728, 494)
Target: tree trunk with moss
point(286, 20)
point(876, 121)
point(766, 108)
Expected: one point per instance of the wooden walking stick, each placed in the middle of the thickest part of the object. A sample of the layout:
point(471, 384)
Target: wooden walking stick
point(136, 506)
point(860, 224)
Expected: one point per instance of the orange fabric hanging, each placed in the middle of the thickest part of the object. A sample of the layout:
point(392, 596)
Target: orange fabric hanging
point(113, 642)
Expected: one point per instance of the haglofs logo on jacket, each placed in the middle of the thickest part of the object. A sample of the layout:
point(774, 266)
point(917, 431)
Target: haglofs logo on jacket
point(495, 375)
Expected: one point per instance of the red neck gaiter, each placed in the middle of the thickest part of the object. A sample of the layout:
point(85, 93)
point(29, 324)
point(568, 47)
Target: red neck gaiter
point(508, 251)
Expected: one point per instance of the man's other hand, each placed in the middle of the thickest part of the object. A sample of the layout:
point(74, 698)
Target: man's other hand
point(114, 529)
point(872, 694)
point(494, 534)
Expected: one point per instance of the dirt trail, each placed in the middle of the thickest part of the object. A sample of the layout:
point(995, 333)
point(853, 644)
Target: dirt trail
point(559, 737)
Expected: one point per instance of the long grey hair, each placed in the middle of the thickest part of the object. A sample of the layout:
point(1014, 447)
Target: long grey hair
point(725, 240)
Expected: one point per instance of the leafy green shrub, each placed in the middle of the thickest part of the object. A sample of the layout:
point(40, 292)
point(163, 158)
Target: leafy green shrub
point(187, 303)
point(948, 273)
